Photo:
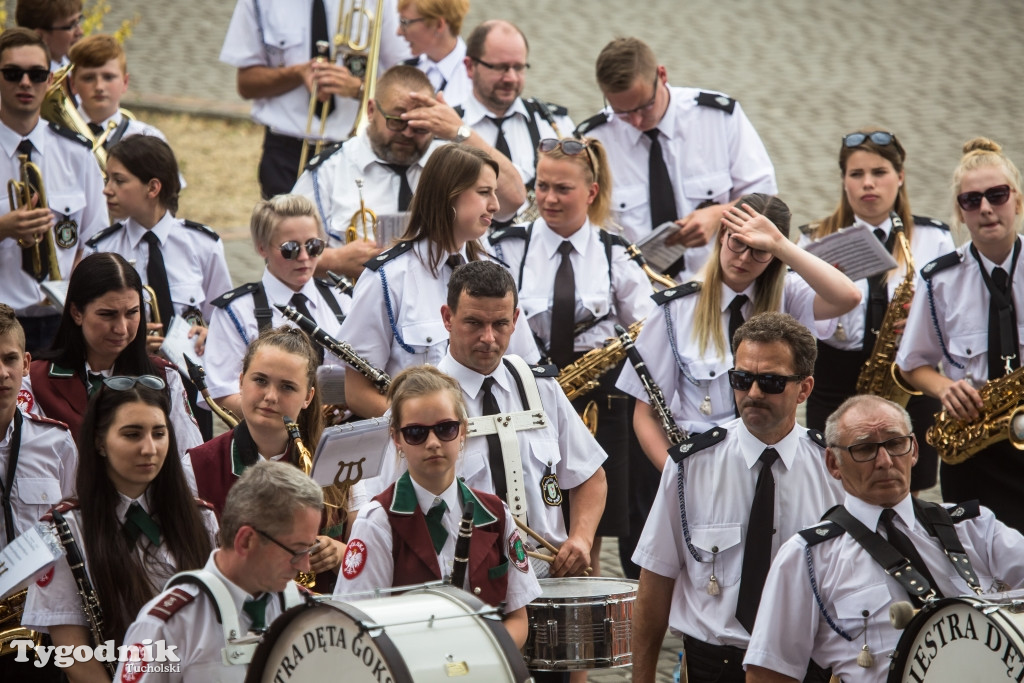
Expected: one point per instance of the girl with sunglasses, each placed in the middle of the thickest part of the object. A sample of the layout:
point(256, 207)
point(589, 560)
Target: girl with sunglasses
point(135, 522)
point(101, 334)
point(396, 306)
point(967, 320)
point(871, 165)
point(278, 380)
point(287, 233)
point(407, 534)
point(687, 341)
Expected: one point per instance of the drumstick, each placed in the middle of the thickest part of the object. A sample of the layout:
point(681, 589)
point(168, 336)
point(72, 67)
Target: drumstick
point(540, 556)
point(544, 542)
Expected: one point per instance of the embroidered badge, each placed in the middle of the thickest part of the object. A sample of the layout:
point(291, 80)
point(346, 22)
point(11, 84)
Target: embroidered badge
point(45, 579)
point(821, 532)
point(25, 400)
point(133, 674)
point(355, 559)
point(66, 233)
point(958, 512)
point(550, 490)
point(517, 553)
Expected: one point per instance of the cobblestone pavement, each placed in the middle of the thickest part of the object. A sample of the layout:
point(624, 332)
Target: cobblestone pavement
point(806, 71)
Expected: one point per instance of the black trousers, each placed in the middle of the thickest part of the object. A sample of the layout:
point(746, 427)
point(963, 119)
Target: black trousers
point(279, 165)
point(995, 477)
point(644, 478)
point(706, 663)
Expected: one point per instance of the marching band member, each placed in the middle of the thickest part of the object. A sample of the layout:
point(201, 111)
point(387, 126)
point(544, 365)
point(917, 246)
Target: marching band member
point(825, 584)
point(715, 525)
point(975, 343)
point(576, 282)
point(267, 533)
point(432, 27)
point(278, 380)
point(407, 534)
point(287, 233)
point(101, 335)
point(872, 167)
point(71, 176)
point(703, 152)
point(135, 522)
point(394, 321)
point(58, 23)
point(695, 322)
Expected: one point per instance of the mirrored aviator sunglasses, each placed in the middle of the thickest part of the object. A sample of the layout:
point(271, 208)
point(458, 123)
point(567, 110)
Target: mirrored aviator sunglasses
point(996, 196)
point(741, 380)
point(124, 382)
point(569, 146)
point(414, 435)
point(291, 249)
point(879, 137)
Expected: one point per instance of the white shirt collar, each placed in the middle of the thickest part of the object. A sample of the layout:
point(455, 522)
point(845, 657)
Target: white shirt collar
point(426, 500)
point(752, 447)
point(475, 111)
point(885, 226)
point(280, 293)
point(162, 230)
point(472, 381)
point(869, 514)
point(9, 140)
point(549, 241)
point(1005, 265)
point(728, 295)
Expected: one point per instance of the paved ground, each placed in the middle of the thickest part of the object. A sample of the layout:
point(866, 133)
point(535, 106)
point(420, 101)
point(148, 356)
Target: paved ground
point(806, 71)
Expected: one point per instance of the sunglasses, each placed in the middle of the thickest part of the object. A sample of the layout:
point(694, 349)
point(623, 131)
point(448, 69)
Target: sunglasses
point(14, 74)
point(124, 383)
point(996, 196)
point(396, 123)
point(570, 147)
point(297, 555)
point(879, 137)
point(868, 451)
point(741, 380)
point(291, 249)
point(737, 247)
point(414, 435)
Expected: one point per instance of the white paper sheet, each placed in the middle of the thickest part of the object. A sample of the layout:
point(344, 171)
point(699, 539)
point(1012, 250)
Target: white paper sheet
point(855, 251)
point(27, 557)
point(177, 344)
point(660, 256)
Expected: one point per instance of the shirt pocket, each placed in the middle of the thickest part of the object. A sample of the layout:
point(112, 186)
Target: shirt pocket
point(545, 453)
point(854, 606)
point(187, 294)
point(422, 335)
point(967, 347)
point(283, 36)
point(629, 200)
point(38, 491)
point(69, 204)
point(711, 186)
point(719, 546)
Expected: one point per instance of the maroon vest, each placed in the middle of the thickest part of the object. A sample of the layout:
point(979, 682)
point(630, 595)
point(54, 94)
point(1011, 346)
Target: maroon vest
point(211, 463)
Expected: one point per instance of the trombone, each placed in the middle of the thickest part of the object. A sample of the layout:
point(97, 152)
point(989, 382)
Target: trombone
point(19, 194)
point(364, 218)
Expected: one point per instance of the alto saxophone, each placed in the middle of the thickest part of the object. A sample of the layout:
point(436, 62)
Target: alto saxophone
point(880, 376)
point(999, 418)
point(582, 376)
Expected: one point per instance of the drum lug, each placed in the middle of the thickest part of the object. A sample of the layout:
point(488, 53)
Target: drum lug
point(552, 632)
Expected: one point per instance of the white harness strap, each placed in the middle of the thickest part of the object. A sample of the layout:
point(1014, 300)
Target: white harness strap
point(506, 425)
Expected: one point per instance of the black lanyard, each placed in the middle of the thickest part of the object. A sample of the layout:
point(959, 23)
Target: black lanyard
point(9, 483)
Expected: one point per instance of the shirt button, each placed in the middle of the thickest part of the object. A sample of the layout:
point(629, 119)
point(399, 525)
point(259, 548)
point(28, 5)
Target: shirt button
point(44, 497)
point(622, 205)
point(968, 352)
point(710, 193)
point(430, 339)
point(712, 373)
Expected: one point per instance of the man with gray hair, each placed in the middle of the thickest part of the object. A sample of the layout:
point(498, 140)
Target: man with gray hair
point(719, 517)
point(871, 449)
point(268, 528)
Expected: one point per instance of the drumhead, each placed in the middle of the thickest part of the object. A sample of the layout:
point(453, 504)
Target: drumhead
point(962, 639)
point(573, 588)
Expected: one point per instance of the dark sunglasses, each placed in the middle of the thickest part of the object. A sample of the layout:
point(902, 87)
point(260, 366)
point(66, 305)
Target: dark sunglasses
point(14, 74)
point(314, 247)
point(396, 123)
point(741, 380)
point(996, 196)
point(570, 147)
point(414, 435)
point(879, 137)
point(124, 383)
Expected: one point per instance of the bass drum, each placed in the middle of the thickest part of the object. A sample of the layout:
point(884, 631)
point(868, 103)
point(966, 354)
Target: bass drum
point(428, 635)
point(958, 640)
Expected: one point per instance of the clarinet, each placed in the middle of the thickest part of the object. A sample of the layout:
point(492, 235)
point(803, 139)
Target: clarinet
point(676, 434)
point(343, 284)
point(461, 563)
point(343, 350)
point(90, 601)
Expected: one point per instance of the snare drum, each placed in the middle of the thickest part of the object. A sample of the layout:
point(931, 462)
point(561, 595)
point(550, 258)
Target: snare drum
point(424, 636)
point(581, 623)
point(963, 639)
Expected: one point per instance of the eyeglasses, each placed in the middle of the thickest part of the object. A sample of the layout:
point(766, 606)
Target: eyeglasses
point(570, 147)
point(518, 69)
point(643, 108)
point(414, 435)
point(124, 383)
point(741, 380)
point(868, 451)
point(291, 249)
point(395, 122)
point(14, 74)
point(296, 555)
point(996, 196)
point(75, 23)
point(737, 247)
point(406, 23)
point(879, 137)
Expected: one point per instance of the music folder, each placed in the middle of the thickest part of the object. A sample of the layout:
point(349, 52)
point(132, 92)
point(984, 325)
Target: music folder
point(351, 452)
point(854, 250)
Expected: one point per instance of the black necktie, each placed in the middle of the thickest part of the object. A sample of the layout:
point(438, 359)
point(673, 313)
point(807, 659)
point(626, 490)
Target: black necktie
point(156, 275)
point(897, 539)
point(404, 189)
point(96, 129)
point(94, 382)
point(663, 198)
point(500, 143)
point(138, 522)
point(455, 260)
point(28, 255)
point(497, 462)
point(1001, 323)
point(438, 534)
point(563, 309)
point(318, 32)
point(757, 552)
point(298, 301)
point(878, 297)
point(736, 315)
point(257, 611)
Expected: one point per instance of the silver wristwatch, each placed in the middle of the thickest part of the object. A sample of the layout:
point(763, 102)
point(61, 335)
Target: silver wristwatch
point(462, 134)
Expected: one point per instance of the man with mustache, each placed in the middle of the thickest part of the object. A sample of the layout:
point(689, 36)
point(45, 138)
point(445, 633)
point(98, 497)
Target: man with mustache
point(727, 501)
point(871, 450)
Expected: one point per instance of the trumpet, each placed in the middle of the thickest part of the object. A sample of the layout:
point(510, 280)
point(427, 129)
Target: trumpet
point(322, 51)
point(360, 219)
point(19, 193)
point(358, 39)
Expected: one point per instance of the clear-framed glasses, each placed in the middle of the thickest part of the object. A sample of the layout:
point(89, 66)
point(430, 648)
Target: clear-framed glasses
point(737, 247)
point(297, 555)
point(517, 69)
point(643, 108)
point(868, 450)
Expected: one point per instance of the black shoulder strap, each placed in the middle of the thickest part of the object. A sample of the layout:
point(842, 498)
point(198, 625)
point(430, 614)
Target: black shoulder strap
point(9, 479)
point(678, 292)
point(717, 101)
point(318, 159)
point(509, 232)
point(590, 124)
point(821, 532)
point(519, 383)
point(227, 297)
point(817, 437)
point(71, 135)
point(261, 308)
point(940, 264)
point(379, 260)
point(939, 523)
point(103, 234)
point(116, 134)
point(933, 222)
point(697, 442)
point(610, 240)
point(205, 229)
point(327, 292)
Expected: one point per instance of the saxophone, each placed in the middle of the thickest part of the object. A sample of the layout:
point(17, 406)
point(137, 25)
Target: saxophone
point(582, 376)
point(1000, 418)
point(880, 376)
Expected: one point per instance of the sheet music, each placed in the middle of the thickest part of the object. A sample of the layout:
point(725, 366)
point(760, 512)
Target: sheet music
point(351, 452)
point(56, 291)
point(855, 251)
point(177, 344)
point(27, 557)
point(660, 256)
point(390, 227)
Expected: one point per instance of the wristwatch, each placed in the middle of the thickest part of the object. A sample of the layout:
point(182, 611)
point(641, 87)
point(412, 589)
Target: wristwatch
point(462, 134)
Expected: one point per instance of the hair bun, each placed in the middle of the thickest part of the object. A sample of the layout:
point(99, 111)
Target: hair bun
point(983, 145)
